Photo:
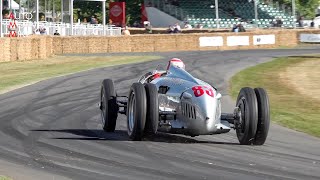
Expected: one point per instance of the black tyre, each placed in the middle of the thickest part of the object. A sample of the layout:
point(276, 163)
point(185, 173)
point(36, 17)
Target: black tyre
point(246, 127)
point(108, 105)
point(136, 111)
point(152, 118)
point(263, 116)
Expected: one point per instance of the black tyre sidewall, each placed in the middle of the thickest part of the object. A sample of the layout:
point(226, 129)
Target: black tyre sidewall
point(111, 108)
point(140, 111)
point(152, 117)
point(263, 116)
point(250, 117)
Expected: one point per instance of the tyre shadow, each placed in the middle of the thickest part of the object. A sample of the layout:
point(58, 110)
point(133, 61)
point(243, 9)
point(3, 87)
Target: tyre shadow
point(121, 135)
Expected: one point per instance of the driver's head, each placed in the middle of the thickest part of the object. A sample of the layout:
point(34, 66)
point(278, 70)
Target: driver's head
point(177, 63)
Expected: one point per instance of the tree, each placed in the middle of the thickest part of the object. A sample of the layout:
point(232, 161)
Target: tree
point(305, 8)
point(133, 10)
point(87, 9)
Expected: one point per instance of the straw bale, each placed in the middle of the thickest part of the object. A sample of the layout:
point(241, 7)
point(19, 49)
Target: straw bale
point(49, 47)
point(35, 41)
point(119, 44)
point(67, 45)
point(42, 47)
point(13, 49)
point(98, 44)
point(142, 43)
point(287, 38)
point(75, 45)
point(1, 49)
point(4, 49)
point(165, 42)
point(57, 45)
point(187, 42)
point(21, 49)
point(81, 43)
point(28, 50)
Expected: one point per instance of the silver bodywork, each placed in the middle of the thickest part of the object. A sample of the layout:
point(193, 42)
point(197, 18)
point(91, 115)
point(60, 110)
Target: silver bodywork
point(193, 115)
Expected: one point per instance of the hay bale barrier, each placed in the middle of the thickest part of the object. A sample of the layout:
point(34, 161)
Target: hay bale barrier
point(39, 47)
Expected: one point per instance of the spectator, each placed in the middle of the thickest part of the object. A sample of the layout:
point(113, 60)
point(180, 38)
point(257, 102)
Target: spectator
point(199, 26)
point(43, 31)
point(56, 33)
point(235, 28)
point(241, 28)
point(93, 20)
point(110, 22)
point(279, 22)
point(6, 16)
point(136, 24)
point(177, 28)
point(147, 27)
point(238, 28)
point(37, 32)
point(273, 23)
point(126, 31)
point(42, 18)
point(300, 21)
point(171, 29)
point(187, 26)
point(312, 24)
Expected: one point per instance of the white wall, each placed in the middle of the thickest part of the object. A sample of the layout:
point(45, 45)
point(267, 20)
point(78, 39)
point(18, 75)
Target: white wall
point(159, 18)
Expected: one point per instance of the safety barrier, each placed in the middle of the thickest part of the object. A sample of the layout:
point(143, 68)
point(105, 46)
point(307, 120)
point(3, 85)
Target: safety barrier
point(36, 47)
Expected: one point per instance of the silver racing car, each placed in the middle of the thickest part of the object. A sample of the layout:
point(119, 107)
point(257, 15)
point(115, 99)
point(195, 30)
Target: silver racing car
point(173, 101)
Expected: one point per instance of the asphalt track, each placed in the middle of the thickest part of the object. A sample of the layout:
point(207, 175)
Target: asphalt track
point(52, 130)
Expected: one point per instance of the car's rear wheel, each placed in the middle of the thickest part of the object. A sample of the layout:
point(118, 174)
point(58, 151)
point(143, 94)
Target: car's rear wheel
point(263, 116)
point(108, 105)
point(136, 111)
point(152, 118)
point(247, 114)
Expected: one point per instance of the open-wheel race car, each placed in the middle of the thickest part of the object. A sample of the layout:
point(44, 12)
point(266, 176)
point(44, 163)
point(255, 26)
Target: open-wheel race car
point(173, 101)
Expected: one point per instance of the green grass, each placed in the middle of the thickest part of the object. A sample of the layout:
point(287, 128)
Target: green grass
point(4, 178)
point(17, 74)
point(289, 108)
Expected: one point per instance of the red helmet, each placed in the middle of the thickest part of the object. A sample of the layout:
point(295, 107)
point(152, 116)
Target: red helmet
point(177, 63)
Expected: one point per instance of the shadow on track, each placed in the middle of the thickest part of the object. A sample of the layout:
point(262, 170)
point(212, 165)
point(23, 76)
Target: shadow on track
point(314, 57)
point(121, 135)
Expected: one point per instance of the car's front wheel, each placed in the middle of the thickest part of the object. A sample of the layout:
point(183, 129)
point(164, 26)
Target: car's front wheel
point(247, 116)
point(136, 111)
point(263, 116)
point(108, 105)
point(152, 118)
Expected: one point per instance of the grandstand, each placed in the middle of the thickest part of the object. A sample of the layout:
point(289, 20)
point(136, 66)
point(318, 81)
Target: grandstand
point(230, 12)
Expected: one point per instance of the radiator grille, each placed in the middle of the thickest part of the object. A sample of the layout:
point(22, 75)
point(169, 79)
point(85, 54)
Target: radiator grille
point(188, 110)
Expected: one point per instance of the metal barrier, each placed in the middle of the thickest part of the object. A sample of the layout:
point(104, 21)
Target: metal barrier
point(26, 28)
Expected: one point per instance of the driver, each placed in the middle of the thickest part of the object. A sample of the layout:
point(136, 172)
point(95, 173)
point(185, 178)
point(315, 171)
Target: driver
point(150, 76)
point(177, 63)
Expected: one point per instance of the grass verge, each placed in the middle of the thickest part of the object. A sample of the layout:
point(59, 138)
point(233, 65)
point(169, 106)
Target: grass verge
point(4, 178)
point(290, 107)
point(17, 74)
